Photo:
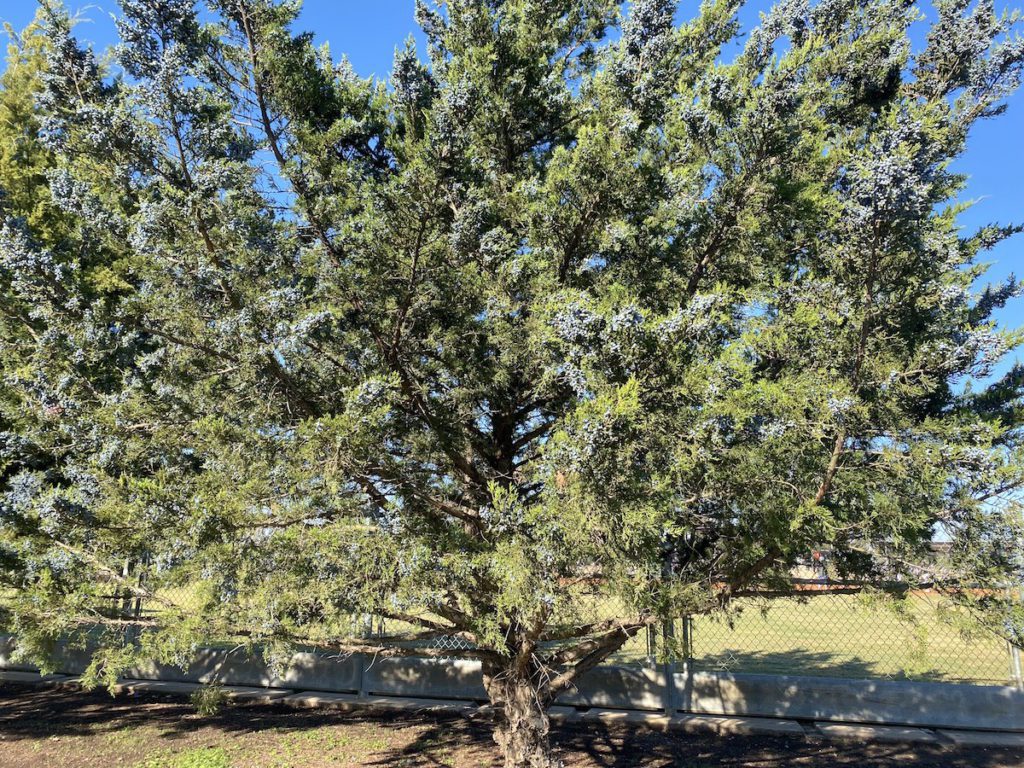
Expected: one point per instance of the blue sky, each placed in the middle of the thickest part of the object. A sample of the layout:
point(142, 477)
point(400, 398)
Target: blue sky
point(368, 32)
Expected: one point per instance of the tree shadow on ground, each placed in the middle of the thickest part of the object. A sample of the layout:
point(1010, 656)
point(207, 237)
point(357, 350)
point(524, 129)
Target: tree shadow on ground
point(30, 713)
point(628, 747)
point(33, 713)
point(445, 740)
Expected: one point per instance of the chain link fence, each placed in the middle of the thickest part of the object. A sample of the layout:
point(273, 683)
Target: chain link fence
point(832, 630)
point(821, 630)
point(851, 634)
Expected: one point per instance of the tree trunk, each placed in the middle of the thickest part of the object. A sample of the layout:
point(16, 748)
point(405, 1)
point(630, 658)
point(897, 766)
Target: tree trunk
point(522, 730)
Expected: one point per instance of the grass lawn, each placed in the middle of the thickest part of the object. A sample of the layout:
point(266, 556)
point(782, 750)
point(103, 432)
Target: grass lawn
point(847, 636)
point(60, 729)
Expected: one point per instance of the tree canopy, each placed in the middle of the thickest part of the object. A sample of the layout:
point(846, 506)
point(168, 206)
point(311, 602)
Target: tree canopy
point(574, 297)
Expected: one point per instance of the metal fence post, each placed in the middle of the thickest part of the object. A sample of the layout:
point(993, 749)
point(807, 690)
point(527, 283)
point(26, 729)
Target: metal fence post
point(684, 697)
point(1015, 665)
point(668, 669)
point(361, 685)
point(1016, 671)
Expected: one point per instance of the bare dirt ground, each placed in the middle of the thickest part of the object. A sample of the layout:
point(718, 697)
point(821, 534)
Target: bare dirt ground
point(47, 727)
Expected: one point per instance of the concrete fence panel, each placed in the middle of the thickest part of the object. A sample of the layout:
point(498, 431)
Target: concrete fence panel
point(425, 678)
point(936, 705)
point(947, 705)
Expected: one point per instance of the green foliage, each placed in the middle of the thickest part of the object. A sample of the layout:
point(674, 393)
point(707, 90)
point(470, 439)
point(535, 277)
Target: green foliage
point(551, 307)
point(198, 757)
point(209, 700)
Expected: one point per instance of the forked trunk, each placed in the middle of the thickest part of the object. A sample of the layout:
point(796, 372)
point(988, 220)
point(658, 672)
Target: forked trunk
point(523, 729)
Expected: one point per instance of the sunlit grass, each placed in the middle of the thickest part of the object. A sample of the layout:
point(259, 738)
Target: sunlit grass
point(845, 636)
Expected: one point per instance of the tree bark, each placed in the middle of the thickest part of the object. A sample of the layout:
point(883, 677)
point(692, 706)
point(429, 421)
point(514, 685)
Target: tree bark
point(522, 731)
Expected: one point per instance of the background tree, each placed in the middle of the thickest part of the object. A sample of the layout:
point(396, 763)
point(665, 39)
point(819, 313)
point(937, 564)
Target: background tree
point(555, 306)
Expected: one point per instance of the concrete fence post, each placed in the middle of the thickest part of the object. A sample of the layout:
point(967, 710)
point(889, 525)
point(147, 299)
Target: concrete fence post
point(361, 691)
point(363, 660)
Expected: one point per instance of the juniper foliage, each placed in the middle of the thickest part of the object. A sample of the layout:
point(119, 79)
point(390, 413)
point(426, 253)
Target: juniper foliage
point(653, 313)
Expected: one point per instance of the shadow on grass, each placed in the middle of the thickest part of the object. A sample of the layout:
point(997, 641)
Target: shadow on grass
point(798, 661)
point(804, 661)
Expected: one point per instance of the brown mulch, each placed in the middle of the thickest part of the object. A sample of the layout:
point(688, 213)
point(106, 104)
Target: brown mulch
point(50, 727)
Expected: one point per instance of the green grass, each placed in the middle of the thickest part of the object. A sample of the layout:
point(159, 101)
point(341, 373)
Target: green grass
point(200, 757)
point(845, 636)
